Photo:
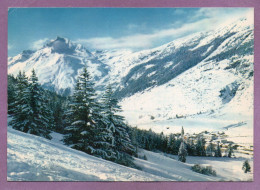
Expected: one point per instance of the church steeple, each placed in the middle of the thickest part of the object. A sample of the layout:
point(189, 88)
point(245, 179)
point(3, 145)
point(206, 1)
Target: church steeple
point(182, 132)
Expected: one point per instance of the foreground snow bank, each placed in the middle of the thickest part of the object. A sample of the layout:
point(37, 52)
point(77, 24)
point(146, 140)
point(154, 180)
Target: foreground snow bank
point(32, 158)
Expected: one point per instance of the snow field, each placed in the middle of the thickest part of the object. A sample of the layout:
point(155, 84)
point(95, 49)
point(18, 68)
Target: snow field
point(227, 169)
point(32, 158)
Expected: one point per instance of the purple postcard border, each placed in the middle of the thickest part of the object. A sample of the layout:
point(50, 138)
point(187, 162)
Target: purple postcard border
point(4, 185)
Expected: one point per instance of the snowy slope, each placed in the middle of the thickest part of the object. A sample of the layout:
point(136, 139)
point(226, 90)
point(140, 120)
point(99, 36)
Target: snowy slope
point(170, 168)
point(214, 93)
point(138, 71)
point(32, 158)
point(227, 169)
point(195, 93)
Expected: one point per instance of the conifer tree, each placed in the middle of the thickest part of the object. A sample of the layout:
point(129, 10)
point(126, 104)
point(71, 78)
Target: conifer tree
point(57, 104)
point(11, 93)
point(246, 167)
point(230, 150)
point(30, 111)
point(134, 139)
point(210, 150)
point(80, 130)
point(163, 142)
point(218, 151)
point(200, 147)
point(182, 150)
point(40, 115)
point(191, 149)
point(171, 144)
point(20, 107)
point(122, 143)
point(104, 140)
point(104, 135)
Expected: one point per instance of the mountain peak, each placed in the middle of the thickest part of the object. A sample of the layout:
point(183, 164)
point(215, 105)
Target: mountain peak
point(62, 39)
point(61, 45)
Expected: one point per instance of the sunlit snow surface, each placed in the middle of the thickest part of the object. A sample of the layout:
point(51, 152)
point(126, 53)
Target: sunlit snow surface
point(32, 158)
point(227, 169)
point(193, 99)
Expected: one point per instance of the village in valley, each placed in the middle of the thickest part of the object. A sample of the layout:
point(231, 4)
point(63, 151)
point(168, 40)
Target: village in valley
point(213, 139)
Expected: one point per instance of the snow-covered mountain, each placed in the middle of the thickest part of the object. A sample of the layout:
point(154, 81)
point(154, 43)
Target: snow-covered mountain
point(57, 64)
point(202, 81)
point(138, 71)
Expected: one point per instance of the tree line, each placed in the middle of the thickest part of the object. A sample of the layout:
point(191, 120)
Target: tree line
point(89, 124)
point(176, 144)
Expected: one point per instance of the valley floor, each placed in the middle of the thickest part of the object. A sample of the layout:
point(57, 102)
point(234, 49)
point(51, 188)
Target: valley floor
point(32, 158)
point(227, 169)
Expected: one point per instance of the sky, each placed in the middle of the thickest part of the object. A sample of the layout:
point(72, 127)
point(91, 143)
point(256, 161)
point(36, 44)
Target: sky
point(112, 28)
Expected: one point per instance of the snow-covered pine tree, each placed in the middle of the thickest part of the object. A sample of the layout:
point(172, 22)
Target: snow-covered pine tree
point(40, 115)
point(171, 144)
point(11, 92)
point(104, 140)
point(134, 139)
point(104, 135)
point(163, 142)
point(182, 153)
point(20, 107)
point(200, 146)
point(123, 145)
point(57, 104)
point(191, 149)
point(80, 130)
point(218, 151)
point(230, 150)
point(182, 150)
point(30, 111)
point(246, 167)
point(210, 151)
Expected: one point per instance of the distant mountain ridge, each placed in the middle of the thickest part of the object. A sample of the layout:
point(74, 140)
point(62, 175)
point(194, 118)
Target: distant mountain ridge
point(203, 81)
point(59, 61)
point(57, 64)
point(205, 73)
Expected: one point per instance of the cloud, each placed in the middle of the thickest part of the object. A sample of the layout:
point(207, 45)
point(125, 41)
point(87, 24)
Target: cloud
point(132, 26)
point(39, 43)
point(222, 16)
point(10, 46)
point(140, 41)
point(204, 19)
point(128, 42)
